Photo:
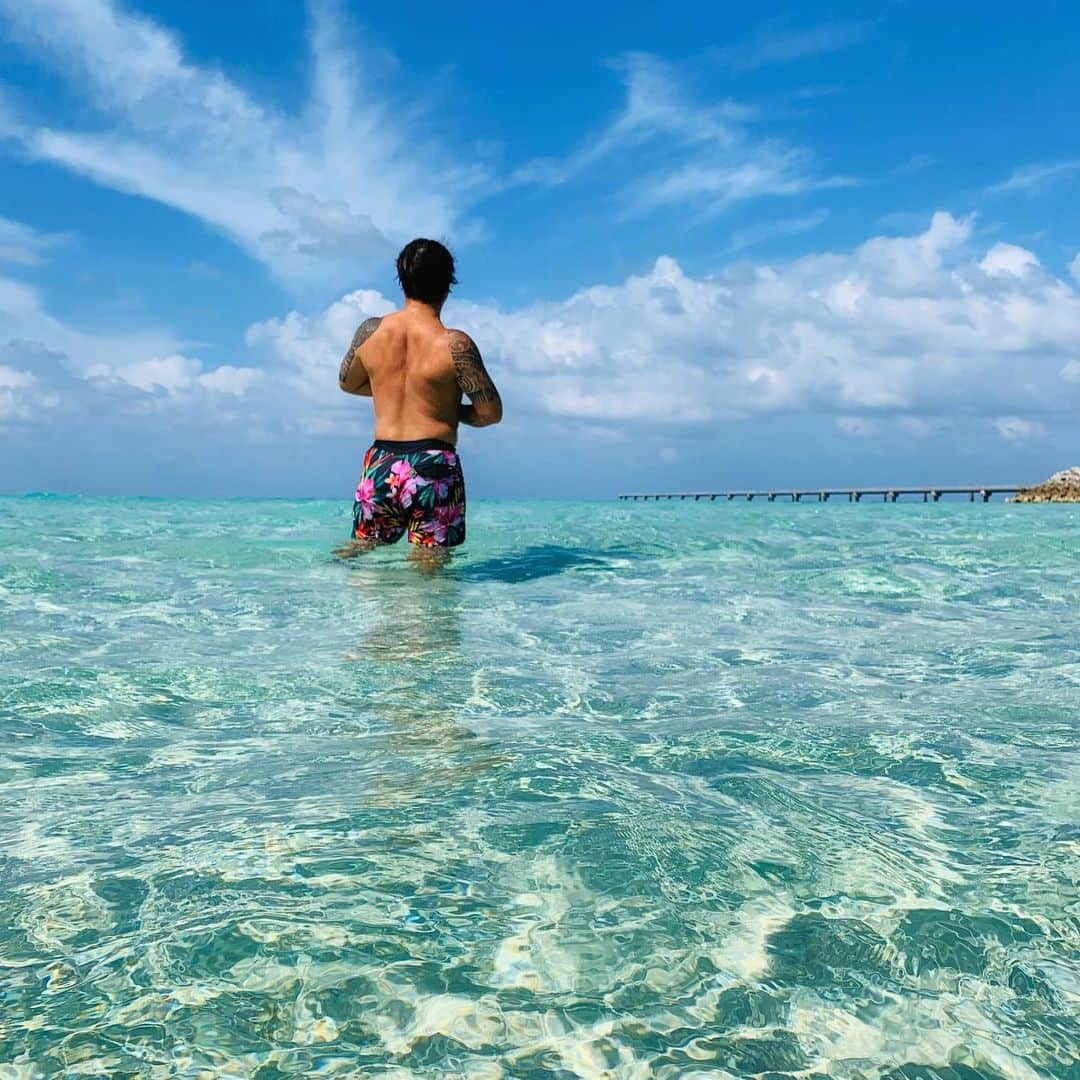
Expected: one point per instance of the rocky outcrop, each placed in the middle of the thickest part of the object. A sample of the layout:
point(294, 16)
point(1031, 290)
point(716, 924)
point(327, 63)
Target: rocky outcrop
point(1063, 486)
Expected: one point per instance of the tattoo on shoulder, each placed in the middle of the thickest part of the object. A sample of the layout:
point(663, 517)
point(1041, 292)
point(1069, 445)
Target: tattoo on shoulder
point(472, 376)
point(363, 332)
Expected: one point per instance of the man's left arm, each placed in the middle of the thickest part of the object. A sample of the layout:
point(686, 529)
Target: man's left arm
point(352, 375)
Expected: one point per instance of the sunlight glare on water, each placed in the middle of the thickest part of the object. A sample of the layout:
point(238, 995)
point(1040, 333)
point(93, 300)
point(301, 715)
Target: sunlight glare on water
point(625, 791)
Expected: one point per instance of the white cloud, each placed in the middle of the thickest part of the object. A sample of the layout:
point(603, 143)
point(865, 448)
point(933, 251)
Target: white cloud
point(1030, 179)
point(1017, 429)
point(177, 374)
point(50, 370)
point(340, 182)
point(698, 156)
point(751, 235)
point(236, 381)
point(15, 386)
point(24, 245)
point(167, 373)
point(1008, 259)
point(23, 318)
point(27, 328)
point(12, 379)
point(897, 333)
point(714, 186)
point(1074, 268)
point(327, 188)
point(656, 108)
point(303, 353)
point(772, 45)
point(902, 327)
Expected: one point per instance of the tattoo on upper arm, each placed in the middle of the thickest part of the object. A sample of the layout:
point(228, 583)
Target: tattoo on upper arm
point(472, 376)
point(363, 332)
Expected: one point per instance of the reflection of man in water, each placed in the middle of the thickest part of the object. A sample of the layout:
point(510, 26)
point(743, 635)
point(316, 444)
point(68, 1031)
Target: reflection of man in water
point(416, 371)
point(416, 680)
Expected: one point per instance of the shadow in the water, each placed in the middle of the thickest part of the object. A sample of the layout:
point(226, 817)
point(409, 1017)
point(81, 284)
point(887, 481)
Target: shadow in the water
point(419, 678)
point(544, 560)
point(415, 616)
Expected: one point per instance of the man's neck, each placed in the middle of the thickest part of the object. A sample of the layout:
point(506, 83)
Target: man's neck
point(419, 308)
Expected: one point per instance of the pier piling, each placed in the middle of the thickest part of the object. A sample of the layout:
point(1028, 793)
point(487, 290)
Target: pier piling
point(985, 492)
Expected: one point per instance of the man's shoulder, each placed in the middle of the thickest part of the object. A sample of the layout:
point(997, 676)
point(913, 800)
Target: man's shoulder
point(366, 329)
point(461, 342)
point(393, 329)
point(390, 320)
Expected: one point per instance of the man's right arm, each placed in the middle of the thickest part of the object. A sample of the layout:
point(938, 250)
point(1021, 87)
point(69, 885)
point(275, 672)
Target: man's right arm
point(485, 404)
point(352, 375)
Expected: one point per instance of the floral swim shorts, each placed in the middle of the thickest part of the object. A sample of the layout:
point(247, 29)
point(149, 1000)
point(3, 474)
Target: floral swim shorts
point(416, 487)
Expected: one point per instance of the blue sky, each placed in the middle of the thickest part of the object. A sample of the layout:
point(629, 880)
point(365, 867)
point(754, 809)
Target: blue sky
point(698, 249)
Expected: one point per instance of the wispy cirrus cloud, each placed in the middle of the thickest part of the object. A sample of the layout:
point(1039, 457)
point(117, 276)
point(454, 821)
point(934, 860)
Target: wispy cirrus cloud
point(327, 188)
point(701, 156)
point(775, 44)
point(656, 110)
point(711, 186)
point(1031, 179)
point(808, 93)
point(338, 181)
point(751, 235)
point(26, 246)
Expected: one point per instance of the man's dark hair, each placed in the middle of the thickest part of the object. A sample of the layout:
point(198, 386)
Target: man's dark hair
point(425, 269)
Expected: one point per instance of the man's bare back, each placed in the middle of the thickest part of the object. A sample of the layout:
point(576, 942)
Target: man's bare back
point(416, 371)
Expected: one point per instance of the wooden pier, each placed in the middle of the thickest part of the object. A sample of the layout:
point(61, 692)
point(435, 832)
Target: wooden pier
point(888, 494)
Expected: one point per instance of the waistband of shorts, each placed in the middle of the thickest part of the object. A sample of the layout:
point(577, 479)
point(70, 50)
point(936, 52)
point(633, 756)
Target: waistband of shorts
point(413, 446)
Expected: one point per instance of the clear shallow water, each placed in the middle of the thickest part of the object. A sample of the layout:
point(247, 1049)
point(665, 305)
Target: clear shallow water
point(627, 791)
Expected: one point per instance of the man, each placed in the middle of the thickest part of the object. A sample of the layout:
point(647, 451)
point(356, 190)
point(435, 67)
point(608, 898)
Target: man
point(416, 371)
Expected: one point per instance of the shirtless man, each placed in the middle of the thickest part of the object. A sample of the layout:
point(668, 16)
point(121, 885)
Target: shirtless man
point(416, 371)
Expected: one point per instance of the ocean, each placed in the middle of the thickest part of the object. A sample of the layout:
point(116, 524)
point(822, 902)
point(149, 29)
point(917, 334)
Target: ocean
point(626, 790)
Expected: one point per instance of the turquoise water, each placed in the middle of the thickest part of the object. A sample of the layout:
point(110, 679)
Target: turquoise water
point(687, 790)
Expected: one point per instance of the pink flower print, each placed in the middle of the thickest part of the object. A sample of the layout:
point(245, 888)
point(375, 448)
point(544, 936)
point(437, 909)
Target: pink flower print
point(446, 517)
point(448, 456)
point(365, 496)
point(442, 488)
point(403, 482)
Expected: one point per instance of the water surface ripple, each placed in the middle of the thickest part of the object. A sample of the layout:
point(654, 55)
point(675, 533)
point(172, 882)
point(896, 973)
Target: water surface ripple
point(627, 791)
